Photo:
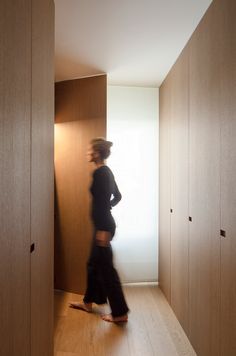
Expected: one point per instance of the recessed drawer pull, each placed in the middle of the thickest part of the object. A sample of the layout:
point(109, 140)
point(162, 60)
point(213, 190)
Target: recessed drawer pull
point(223, 233)
point(32, 248)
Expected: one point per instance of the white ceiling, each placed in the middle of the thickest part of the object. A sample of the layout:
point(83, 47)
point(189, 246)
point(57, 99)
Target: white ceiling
point(135, 42)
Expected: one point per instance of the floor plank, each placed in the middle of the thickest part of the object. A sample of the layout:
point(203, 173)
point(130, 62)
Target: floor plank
point(152, 329)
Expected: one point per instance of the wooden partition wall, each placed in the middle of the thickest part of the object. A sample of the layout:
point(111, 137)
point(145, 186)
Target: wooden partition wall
point(26, 177)
point(80, 116)
point(197, 184)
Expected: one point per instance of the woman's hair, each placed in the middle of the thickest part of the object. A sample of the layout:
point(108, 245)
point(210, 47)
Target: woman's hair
point(102, 146)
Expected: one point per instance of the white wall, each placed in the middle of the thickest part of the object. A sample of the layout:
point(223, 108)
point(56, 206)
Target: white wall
point(133, 127)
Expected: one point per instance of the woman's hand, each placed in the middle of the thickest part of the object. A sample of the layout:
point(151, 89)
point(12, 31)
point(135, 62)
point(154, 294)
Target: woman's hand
point(103, 238)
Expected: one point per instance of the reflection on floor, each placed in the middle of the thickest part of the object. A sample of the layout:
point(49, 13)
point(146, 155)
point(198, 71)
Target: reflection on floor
point(152, 329)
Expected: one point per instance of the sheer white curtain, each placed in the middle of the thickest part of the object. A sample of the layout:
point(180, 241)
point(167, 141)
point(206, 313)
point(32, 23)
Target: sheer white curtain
point(133, 128)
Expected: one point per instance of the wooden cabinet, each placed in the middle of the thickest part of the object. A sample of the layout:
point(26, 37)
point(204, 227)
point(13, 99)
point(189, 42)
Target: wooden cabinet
point(42, 178)
point(203, 107)
point(26, 177)
point(179, 188)
point(227, 86)
point(15, 122)
point(204, 190)
point(80, 116)
point(164, 195)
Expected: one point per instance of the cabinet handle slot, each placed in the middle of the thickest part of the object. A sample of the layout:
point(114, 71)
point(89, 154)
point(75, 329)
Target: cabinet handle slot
point(223, 233)
point(32, 248)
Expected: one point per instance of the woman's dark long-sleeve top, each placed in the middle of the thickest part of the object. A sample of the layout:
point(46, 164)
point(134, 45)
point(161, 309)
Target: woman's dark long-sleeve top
point(105, 194)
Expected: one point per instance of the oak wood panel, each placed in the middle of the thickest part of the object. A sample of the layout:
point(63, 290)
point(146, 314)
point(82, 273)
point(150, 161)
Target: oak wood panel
point(164, 190)
point(81, 99)
point(15, 106)
point(227, 83)
point(80, 116)
point(204, 199)
point(42, 177)
point(179, 92)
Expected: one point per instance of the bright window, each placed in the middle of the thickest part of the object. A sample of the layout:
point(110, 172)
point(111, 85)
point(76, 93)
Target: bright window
point(133, 128)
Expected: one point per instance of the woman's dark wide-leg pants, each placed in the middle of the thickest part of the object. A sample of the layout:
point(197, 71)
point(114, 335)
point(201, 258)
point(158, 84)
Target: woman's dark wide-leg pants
point(103, 281)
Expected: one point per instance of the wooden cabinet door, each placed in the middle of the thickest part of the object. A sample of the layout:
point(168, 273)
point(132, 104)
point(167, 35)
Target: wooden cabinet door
point(227, 84)
point(179, 189)
point(15, 112)
point(42, 177)
point(164, 193)
point(80, 116)
point(204, 199)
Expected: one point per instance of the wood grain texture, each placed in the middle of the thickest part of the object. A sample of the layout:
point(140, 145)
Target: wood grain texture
point(81, 99)
point(227, 84)
point(80, 116)
point(152, 328)
point(15, 105)
point(212, 268)
point(204, 198)
point(164, 190)
point(179, 92)
point(42, 177)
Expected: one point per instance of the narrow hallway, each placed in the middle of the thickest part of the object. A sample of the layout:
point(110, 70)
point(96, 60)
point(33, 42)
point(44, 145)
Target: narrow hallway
point(152, 328)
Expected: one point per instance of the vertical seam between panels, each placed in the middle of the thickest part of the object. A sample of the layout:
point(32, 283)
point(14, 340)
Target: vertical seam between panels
point(31, 111)
point(170, 182)
point(188, 110)
point(220, 181)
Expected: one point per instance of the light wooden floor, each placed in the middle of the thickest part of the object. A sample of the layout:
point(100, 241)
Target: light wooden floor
point(152, 328)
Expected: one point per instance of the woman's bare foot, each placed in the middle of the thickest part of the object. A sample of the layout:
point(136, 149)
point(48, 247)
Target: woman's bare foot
point(82, 306)
point(115, 319)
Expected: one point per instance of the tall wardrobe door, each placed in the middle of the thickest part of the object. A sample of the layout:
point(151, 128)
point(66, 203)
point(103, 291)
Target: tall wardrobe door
point(15, 106)
point(164, 218)
point(42, 182)
point(228, 179)
point(179, 189)
point(80, 116)
point(204, 248)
